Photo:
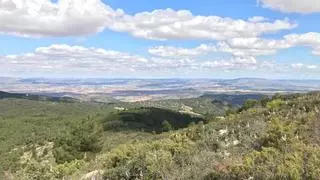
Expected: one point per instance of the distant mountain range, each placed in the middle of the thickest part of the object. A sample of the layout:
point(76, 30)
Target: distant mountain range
point(6, 95)
point(256, 83)
point(110, 90)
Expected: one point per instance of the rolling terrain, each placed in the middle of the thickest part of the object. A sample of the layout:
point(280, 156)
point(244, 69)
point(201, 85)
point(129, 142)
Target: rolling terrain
point(267, 138)
point(68, 129)
point(136, 90)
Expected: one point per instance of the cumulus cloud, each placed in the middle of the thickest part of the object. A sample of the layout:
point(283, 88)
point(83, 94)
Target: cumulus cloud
point(78, 60)
point(252, 46)
point(67, 59)
point(247, 65)
point(250, 64)
point(233, 64)
point(297, 65)
point(260, 46)
point(177, 52)
point(292, 6)
point(164, 24)
point(244, 52)
point(237, 47)
point(167, 63)
point(305, 67)
point(63, 52)
point(61, 59)
point(311, 39)
point(38, 18)
point(244, 47)
point(257, 19)
point(312, 66)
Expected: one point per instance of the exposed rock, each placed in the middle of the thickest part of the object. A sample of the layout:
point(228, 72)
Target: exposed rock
point(94, 175)
point(236, 142)
point(223, 131)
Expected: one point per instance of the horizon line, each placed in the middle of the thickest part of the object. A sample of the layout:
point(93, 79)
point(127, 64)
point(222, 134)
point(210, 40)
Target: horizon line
point(154, 78)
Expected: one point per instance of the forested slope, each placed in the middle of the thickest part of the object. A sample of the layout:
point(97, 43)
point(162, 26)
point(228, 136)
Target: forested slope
point(274, 138)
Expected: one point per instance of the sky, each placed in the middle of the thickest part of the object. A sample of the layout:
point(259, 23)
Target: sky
point(275, 39)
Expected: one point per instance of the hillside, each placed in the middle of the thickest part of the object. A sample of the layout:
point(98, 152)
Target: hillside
point(236, 100)
point(274, 138)
point(61, 131)
point(149, 119)
point(278, 139)
point(6, 95)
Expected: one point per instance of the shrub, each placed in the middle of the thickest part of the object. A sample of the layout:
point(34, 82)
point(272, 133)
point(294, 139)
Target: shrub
point(275, 104)
point(250, 103)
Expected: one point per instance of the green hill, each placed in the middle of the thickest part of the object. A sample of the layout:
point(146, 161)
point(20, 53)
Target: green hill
point(276, 138)
point(149, 119)
point(236, 100)
point(70, 130)
point(6, 95)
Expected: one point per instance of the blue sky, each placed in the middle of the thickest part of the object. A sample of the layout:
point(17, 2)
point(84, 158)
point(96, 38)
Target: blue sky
point(160, 38)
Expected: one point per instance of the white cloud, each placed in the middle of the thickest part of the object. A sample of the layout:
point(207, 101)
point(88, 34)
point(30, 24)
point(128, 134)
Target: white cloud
point(244, 52)
point(67, 59)
point(252, 46)
point(238, 47)
point(177, 52)
point(289, 6)
point(258, 46)
point(244, 47)
point(257, 19)
point(311, 39)
point(167, 63)
point(297, 65)
point(63, 52)
point(250, 65)
point(316, 51)
point(305, 67)
point(78, 60)
point(42, 18)
point(312, 66)
point(164, 24)
point(233, 64)
point(38, 18)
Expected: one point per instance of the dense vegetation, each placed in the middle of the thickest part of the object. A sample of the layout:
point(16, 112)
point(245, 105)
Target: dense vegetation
point(6, 95)
point(276, 138)
point(233, 99)
point(36, 129)
point(206, 106)
point(148, 119)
